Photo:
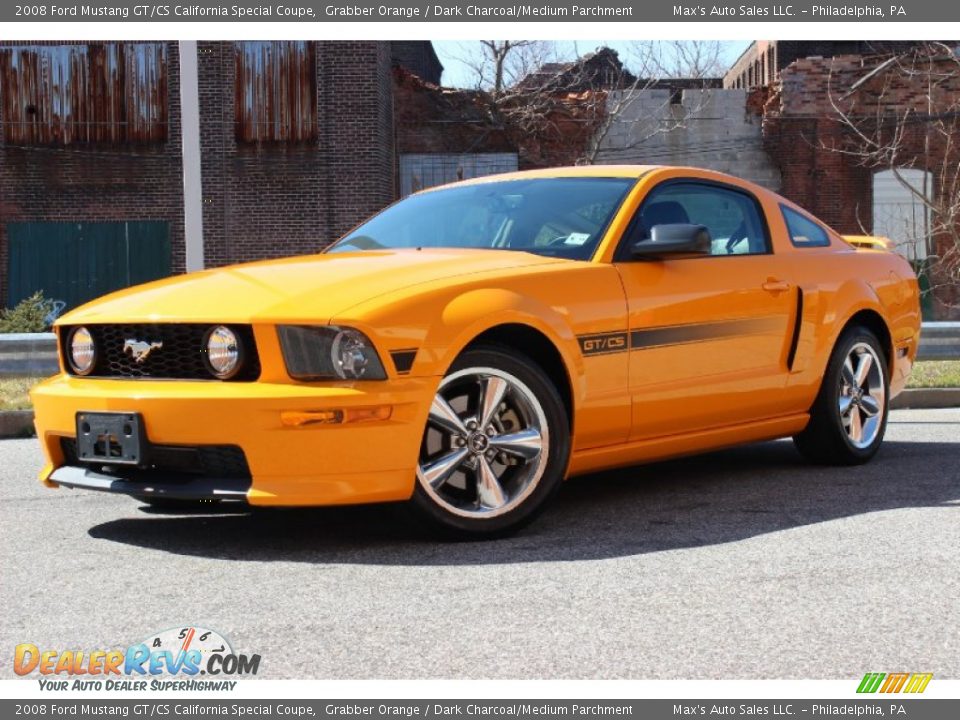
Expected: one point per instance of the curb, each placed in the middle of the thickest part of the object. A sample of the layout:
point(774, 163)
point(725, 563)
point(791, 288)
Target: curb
point(927, 398)
point(16, 424)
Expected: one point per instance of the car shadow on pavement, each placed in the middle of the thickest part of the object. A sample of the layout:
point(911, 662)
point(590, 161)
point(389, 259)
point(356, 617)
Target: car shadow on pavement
point(700, 501)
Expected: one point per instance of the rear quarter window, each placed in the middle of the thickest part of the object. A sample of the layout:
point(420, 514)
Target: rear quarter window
point(803, 231)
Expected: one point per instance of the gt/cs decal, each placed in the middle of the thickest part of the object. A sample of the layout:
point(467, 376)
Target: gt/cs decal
point(663, 336)
point(603, 343)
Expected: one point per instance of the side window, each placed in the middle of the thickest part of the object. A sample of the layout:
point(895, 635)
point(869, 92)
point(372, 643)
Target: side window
point(733, 218)
point(804, 232)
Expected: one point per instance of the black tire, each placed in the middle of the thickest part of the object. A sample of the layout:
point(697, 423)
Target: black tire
point(439, 515)
point(826, 439)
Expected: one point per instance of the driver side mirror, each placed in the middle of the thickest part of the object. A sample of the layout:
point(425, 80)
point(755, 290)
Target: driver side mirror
point(673, 239)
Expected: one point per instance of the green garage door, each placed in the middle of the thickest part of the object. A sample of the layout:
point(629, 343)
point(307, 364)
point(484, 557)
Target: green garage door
point(76, 262)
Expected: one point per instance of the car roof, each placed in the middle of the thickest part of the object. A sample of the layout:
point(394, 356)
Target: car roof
point(592, 171)
point(598, 171)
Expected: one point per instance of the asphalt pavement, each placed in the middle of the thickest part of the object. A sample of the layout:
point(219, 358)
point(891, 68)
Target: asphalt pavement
point(747, 563)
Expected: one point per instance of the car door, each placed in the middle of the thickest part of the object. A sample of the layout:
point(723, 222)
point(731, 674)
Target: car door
point(709, 333)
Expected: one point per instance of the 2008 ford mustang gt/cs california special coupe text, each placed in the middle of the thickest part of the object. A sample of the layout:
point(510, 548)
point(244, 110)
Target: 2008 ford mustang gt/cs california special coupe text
point(472, 345)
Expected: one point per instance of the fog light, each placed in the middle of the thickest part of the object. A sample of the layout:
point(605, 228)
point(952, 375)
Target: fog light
point(83, 351)
point(224, 352)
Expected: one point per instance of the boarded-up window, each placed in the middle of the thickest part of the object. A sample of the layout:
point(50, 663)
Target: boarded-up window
point(276, 92)
point(103, 92)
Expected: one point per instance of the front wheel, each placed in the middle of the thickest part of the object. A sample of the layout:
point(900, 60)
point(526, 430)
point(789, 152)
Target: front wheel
point(495, 446)
point(849, 417)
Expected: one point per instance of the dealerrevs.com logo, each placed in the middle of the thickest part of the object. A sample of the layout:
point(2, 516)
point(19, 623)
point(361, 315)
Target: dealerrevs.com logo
point(184, 658)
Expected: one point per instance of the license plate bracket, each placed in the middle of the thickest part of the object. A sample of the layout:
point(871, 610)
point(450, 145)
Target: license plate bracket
point(110, 438)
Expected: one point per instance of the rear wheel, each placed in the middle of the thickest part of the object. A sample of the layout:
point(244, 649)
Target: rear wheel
point(849, 417)
point(495, 446)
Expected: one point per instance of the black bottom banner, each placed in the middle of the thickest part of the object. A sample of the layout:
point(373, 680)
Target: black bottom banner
point(188, 709)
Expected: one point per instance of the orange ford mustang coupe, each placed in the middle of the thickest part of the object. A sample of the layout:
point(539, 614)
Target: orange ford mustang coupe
point(472, 345)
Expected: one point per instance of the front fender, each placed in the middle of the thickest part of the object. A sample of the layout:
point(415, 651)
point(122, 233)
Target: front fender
point(474, 312)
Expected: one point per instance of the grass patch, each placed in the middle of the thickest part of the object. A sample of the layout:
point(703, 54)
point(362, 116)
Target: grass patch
point(935, 374)
point(13, 392)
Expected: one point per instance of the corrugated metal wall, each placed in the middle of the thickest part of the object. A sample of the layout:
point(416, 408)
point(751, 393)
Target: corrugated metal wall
point(78, 261)
point(98, 92)
point(276, 93)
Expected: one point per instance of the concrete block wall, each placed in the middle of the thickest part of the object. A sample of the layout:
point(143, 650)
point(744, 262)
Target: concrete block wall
point(711, 128)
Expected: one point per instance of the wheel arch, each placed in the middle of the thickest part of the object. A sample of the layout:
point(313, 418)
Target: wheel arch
point(873, 321)
point(539, 348)
point(518, 322)
point(851, 303)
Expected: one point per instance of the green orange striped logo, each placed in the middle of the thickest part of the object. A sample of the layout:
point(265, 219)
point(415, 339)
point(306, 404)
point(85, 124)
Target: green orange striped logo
point(894, 682)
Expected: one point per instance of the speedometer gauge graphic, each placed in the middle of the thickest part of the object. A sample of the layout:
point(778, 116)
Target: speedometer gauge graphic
point(184, 639)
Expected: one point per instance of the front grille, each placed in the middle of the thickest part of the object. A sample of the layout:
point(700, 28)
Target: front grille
point(182, 356)
point(214, 461)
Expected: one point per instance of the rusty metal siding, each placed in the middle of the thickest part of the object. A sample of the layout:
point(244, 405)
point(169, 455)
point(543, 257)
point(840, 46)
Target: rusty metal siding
point(276, 91)
point(94, 93)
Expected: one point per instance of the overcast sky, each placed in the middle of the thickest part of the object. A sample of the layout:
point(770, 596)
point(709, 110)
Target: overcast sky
point(456, 74)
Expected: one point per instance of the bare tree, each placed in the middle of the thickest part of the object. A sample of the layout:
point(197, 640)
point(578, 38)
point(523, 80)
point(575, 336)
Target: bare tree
point(594, 101)
point(698, 59)
point(886, 129)
point(633, 118)
point(497, 65)
point(537, 95)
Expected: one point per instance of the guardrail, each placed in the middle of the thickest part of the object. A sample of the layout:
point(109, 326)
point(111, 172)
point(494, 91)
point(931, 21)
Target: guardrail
point(36, 354)
point(939, 341)
point(28, 354)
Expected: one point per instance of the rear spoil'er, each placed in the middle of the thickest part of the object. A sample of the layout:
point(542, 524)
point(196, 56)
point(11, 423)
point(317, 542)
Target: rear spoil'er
point(472, 345)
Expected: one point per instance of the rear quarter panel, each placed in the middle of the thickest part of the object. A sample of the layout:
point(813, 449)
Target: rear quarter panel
point(838, 282)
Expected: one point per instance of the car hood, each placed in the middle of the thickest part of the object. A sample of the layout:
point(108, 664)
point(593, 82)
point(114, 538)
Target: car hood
point(301, 289)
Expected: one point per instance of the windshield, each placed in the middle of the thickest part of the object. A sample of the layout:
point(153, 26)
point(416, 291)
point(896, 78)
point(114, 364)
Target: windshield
point(562, 217)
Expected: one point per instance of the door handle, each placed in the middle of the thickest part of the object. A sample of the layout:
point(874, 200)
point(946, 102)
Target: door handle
point(773, 285)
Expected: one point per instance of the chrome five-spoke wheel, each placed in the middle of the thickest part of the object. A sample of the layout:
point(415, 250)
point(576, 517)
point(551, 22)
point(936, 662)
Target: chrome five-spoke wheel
point(862, 395)
point(849, 416)
point(495, 445)
point(485, 447)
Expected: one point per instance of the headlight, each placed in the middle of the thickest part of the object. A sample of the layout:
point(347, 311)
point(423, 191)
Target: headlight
point(329, 353)
point(224, 352)
point(82, 351)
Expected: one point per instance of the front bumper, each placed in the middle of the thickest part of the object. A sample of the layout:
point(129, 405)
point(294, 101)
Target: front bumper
point(292, 460)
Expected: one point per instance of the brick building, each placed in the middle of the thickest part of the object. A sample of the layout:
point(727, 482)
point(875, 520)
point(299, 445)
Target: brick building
point(417, 57)
point(91, 174)
point(868, 144)
point(763, 60)
point(547, 119)
point(296, 147)
point(301, 140)
point(275, 185)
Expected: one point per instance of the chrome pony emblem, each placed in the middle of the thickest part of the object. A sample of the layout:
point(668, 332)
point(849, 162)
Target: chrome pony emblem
point(140, 350)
